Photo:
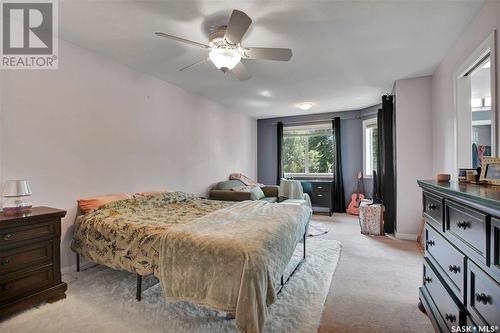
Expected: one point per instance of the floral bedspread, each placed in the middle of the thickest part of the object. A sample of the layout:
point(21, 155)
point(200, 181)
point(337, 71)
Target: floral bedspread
point(126, 234)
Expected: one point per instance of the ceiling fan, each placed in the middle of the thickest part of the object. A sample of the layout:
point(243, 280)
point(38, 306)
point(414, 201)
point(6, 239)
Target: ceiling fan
point(225, 47)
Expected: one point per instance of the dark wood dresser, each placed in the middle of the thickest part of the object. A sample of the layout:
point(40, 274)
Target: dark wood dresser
point(30, 269)
point(461, 273)
point(321, 195)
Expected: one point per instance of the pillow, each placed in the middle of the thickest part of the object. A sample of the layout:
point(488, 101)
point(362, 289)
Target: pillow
point(147, 194)
point(88, 204)
point(256, 193)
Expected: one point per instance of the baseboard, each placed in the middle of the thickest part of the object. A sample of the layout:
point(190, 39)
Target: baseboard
point(412, 237)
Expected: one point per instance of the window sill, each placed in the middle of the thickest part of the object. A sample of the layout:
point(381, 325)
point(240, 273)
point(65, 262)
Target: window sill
point(310, 175)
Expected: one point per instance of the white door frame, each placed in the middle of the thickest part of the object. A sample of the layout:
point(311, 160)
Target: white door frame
point(459, 83)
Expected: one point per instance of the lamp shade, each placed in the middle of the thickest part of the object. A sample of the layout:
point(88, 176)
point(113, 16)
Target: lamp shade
point(16, 188)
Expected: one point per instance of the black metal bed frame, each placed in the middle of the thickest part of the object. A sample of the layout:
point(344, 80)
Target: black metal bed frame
point(283, 282)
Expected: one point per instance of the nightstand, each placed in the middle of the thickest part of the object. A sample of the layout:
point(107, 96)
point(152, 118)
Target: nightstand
point(30, 269)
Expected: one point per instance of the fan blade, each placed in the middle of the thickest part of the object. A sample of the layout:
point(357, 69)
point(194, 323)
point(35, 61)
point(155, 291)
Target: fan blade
point(241, 72)
point(237, 26)
point(183, 40)
point(193, 65)
point(268, 53)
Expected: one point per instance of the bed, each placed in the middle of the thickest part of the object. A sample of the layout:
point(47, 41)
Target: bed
point(224, 255)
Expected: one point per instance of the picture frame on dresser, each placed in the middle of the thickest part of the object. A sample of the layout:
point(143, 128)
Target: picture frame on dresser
point(490, 171)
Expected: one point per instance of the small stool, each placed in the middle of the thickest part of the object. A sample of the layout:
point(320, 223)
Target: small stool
point(371, 218)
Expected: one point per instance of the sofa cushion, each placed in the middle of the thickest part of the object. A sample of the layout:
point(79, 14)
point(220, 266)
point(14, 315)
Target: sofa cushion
point(228, 184)
point(256, 193)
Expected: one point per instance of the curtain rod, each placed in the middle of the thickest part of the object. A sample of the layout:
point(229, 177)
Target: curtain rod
point(325, 120)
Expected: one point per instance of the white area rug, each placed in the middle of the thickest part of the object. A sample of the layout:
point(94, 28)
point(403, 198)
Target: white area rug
point(100, 299)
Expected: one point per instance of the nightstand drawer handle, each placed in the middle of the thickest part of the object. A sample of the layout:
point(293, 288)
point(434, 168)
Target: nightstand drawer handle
point(431, 243)
point(454, 268)
point(8, 237)
point(320, 195)
point(483, 298)
point(319, 187)
point(463, 224)
point(427, 279)
point(4, 261)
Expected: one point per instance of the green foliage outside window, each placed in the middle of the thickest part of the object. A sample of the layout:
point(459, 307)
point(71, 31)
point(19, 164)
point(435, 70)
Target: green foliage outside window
point(308, 151)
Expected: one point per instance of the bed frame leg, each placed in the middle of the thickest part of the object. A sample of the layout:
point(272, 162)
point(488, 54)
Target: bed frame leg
point(305, 237)
point(138, 293)
point(77, 262)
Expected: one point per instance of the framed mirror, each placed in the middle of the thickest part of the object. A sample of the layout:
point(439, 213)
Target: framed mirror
point(476, 128)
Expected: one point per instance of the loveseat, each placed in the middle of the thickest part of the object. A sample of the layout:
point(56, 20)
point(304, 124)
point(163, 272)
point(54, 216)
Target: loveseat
point(235, 190)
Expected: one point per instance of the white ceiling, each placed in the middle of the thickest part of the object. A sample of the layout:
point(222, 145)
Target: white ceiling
point(345, 54)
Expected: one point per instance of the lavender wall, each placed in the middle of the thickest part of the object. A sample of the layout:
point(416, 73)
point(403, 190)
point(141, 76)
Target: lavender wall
point(94, 127)
point(413, 151)
point(443, 112)
point(352, 146)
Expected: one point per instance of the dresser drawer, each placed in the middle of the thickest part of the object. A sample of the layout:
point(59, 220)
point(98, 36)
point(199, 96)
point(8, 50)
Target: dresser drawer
point(484, 297)
point(449, 260)
point(16, 286)
point(433, 209)
point(469, 226)
point(450, 311)
point(495, 247)
point(11, 236)
point(321, 199)
point(25, 256)
point(321, 187)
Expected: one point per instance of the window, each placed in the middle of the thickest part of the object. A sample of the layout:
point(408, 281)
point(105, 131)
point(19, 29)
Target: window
point(308, 150)
point(370, 146)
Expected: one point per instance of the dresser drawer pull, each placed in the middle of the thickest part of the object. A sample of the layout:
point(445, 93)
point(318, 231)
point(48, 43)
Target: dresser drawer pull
point(4, 261)
point(454, 268)
point(431, 243)
point(463, 224)
point(483, 298)
point(427, 279)
point(8, 237)
point(320, 195)
point(432, 207)
point(318, 187)
point(450, 317)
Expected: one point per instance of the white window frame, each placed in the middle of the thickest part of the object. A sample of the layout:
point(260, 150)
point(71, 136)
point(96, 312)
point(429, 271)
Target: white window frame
point(367, 173)
point(306, 164)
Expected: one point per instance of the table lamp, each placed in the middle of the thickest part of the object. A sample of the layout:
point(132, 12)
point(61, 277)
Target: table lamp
point(15, 193)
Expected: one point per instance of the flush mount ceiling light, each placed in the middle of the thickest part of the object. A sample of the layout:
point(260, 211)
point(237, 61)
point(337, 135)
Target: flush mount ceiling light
point(305, 105)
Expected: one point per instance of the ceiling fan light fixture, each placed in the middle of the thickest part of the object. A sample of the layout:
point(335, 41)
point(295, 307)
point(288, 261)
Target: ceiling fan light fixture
point(305, 105)
point(225, 59)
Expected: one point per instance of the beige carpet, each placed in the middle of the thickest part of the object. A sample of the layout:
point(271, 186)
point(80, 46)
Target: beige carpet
point(101, 300)
point(375, 287)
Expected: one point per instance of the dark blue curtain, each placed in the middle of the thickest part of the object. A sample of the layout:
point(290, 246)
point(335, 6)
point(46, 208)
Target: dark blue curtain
point(279, 164)
point(338, 199)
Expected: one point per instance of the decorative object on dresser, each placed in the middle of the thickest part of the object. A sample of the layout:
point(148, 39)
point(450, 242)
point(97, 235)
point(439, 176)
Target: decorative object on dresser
point(461, 273)
point(490, 171)
point(30, 270)
point(15, 193)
